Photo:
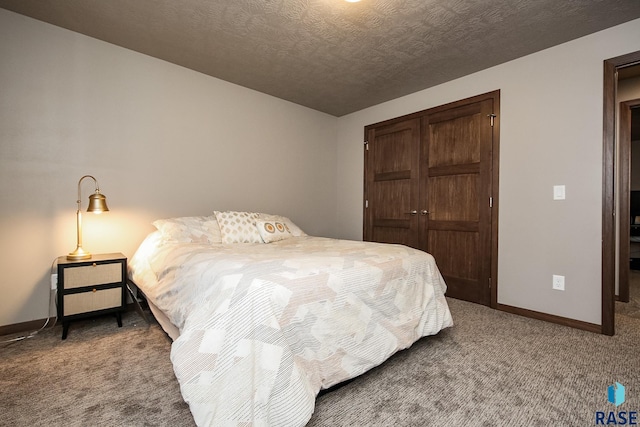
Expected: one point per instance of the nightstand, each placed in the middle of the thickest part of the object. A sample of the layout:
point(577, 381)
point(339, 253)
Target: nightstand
point(91, 287)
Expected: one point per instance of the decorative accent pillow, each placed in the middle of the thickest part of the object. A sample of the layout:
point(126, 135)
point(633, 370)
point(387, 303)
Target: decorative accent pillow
point(293, 229)
point(238, 227)
point(272, 231)
point(190, 229)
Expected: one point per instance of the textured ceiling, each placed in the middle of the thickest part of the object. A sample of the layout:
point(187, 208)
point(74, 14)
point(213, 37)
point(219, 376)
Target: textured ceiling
point(331, 55)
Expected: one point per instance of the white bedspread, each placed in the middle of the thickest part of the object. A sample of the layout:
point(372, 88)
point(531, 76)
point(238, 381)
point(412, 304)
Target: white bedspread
point(264, 327)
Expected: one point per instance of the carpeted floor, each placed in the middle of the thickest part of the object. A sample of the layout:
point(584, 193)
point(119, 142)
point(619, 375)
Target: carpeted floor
point(491, 369)
point(101, 375)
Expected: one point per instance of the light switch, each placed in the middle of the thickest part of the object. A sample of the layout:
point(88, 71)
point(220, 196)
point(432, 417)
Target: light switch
point(558, 192)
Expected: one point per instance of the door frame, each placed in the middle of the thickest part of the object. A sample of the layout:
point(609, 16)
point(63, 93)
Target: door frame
point(609, 164)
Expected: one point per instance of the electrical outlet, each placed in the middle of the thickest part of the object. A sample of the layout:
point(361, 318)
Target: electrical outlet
point(558, 282)
point(54, 281)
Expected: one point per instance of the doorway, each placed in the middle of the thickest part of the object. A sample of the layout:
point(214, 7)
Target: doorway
point(629, 181)
point(611, 167)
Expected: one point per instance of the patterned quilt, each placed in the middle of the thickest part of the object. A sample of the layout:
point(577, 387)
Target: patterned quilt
point(265, 327)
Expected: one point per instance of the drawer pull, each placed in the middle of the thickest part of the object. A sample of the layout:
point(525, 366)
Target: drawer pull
point(94, 264)
point(93, 290)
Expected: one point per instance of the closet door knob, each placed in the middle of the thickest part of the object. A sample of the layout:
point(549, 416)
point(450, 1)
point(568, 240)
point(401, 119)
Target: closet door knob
point(424, 212)
point(414, 212)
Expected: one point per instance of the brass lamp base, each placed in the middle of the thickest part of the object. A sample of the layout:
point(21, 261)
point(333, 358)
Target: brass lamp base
point(79, 254)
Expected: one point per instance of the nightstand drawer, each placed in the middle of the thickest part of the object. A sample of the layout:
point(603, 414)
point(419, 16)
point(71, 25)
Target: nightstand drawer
point(90, 275)
point(84, 302)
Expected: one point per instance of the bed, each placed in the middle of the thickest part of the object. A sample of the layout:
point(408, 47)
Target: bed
point(264, 317)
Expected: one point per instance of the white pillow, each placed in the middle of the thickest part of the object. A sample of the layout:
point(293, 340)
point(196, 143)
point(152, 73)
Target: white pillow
point(238, 227)
point(272, 231)
point(190, 229)
point(293, 229)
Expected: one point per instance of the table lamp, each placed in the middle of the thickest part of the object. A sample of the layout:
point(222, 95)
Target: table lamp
point(97, 204)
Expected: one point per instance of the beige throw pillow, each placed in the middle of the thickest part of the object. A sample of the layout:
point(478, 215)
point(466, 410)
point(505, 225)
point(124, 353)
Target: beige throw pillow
point(272, 231)
point(238, 227)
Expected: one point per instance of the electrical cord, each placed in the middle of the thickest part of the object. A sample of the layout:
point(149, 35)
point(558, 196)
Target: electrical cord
point(34, 333)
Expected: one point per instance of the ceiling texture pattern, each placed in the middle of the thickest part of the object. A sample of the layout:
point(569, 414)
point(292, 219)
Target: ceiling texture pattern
point(330, 55)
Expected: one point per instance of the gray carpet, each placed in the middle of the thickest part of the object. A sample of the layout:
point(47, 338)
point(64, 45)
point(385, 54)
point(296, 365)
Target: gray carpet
point(101, 375)
point(491, 369)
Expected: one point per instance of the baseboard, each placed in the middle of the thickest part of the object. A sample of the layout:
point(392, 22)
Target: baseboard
point(32, 325)
point(577, 324)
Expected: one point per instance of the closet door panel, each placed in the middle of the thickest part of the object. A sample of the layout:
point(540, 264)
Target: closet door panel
point(455, 189)
point(455, 137)
point(461, 268)
point(391, 183)
point(453, 198)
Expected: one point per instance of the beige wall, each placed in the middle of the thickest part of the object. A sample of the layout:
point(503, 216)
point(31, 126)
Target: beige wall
point(161, 140)
point(551, 133)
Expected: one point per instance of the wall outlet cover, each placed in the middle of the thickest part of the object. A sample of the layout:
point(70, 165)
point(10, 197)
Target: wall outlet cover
point(558, 282)
point(559, 192)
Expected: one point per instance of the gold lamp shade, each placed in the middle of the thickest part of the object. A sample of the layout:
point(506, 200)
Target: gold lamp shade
point(97, 204)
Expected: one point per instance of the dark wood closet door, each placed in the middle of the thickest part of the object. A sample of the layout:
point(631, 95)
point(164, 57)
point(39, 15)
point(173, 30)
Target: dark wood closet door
point(391, 183)
point(455, 190)
point(431, 183)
